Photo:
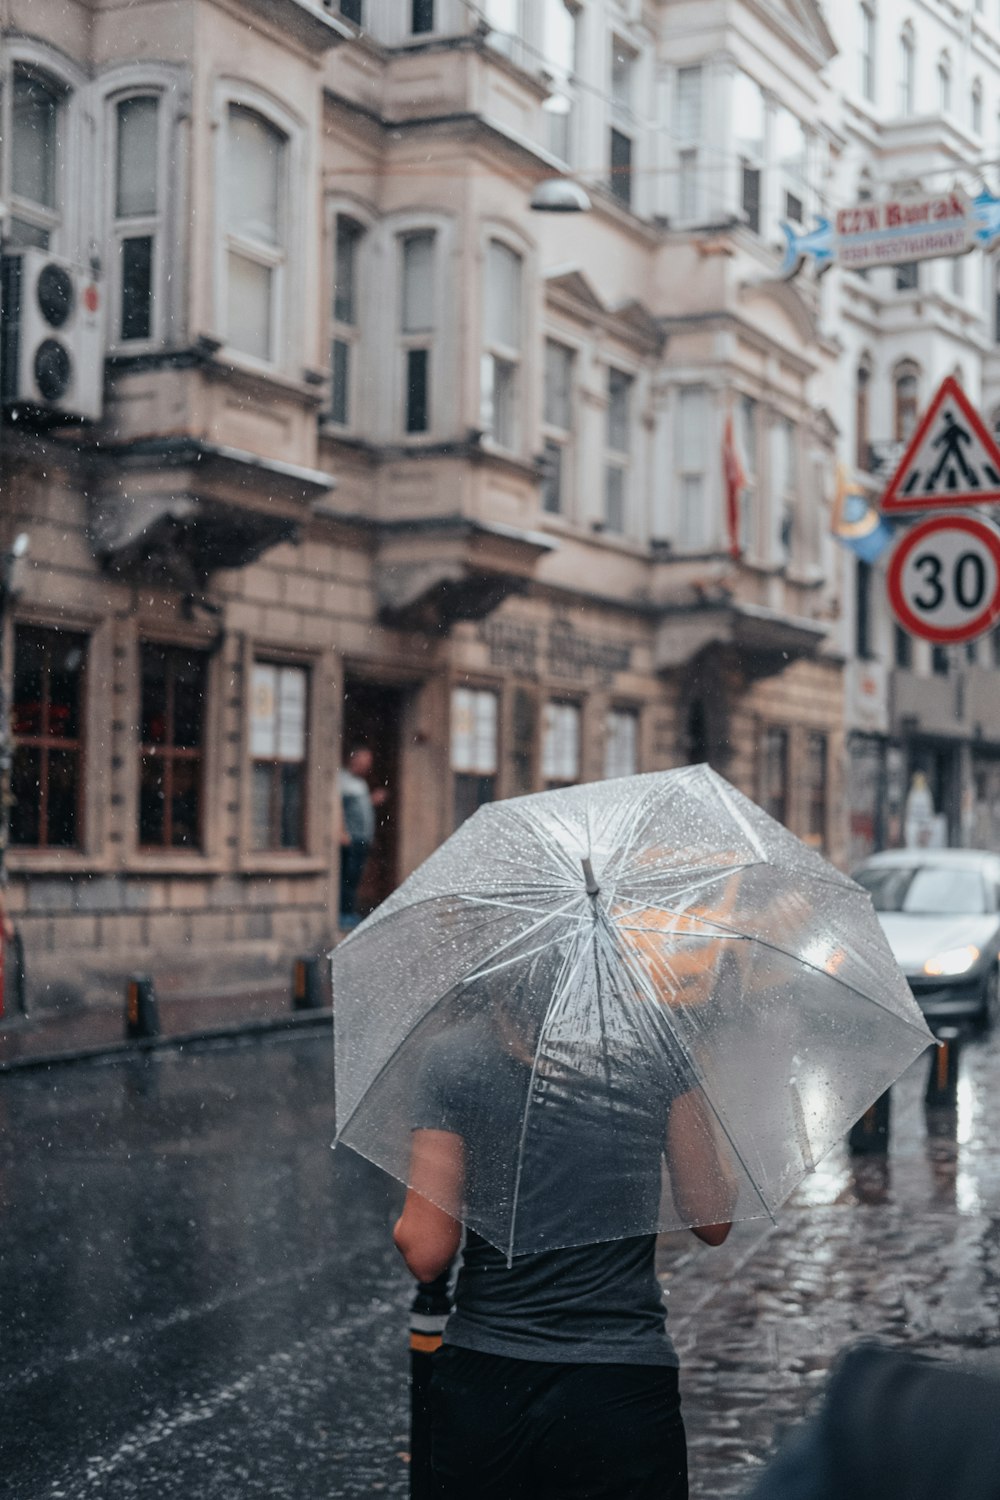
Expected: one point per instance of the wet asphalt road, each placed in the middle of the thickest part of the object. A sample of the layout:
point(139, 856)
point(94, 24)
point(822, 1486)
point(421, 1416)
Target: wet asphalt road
point(198, 1299)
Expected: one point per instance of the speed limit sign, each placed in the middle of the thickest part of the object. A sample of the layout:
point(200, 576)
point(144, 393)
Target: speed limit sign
point(944, 579)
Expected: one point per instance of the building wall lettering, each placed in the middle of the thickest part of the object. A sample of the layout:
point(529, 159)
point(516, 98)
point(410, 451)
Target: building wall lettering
point(563, 650)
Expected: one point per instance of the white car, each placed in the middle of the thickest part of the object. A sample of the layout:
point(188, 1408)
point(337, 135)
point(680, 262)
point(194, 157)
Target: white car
point(940, 910)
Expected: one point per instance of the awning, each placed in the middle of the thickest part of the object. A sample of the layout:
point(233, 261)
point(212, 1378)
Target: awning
point(430, 574)
point(764, 640)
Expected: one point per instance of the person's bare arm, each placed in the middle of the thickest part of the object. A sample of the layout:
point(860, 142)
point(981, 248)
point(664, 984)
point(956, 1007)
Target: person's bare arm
point(702, 1182)
point(426, 1234)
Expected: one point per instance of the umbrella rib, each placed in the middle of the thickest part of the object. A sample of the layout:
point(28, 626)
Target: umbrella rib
point(549, 844)
point(517, 939)
point(638, 812)
point(558, 990)
point(739, 818)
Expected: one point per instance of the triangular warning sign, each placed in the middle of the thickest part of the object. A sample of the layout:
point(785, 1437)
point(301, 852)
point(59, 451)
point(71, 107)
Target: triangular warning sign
point(951, 459)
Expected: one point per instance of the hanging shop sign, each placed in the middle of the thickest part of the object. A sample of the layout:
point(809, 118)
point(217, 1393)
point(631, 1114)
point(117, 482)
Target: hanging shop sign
point(944, 579)
point(896, 231)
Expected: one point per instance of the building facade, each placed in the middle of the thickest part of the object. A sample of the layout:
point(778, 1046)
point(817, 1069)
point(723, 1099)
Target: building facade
point(370, 453)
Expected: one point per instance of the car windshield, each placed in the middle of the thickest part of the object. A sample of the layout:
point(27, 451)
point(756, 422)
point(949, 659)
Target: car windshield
point(925, 889)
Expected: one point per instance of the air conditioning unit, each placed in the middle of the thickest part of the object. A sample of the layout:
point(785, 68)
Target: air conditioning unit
point(51, 337)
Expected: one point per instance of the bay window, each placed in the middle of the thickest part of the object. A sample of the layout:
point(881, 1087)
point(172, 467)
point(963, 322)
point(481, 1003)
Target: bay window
point(255, 232)
point(35, 165)
point(136, 216)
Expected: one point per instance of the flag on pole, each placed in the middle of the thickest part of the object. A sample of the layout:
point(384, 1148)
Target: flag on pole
point(736, 482)
point(856, 523)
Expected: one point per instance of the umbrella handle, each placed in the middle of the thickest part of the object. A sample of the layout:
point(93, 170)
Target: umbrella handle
point(593, 889)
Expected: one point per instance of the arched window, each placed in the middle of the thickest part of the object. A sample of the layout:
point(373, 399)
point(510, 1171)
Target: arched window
point(255, 227)
point(944, 82)
point(862, 409)
point(906, 389)
point(907, 70)
point(36, 131)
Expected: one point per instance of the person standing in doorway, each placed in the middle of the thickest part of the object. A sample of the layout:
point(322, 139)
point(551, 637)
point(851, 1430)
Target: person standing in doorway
point(357, 830)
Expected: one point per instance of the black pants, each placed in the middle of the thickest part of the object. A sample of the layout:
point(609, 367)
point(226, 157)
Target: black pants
point(517, 1429)
point(353, 858)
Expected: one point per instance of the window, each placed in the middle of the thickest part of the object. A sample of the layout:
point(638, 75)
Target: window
point(558, 424)
point(623, 64)
point(136, 219)
point(352, 10)
point(561, 744)
point(774, 772)
point(864, 582)
point(618, 446)
point(746, 437)
point(172, 723)
point(560, 40)
point(474, 716)
point(907, 395)
point(867, 50)
point(749, 114)
point(255, 233)
point(421, 16)
point(957, 276)
point(417, 320)
point(907, 277)
point(944, 82)
point(501, 363)
point(278, 726)
point(504, 16)
point(977, 106)
point(35, 160)
point(791, 158)
point(621, 743)
point(687, 129)
point(691, 447)
point(862, 417)
point(344, 338)
point(785, 476)
point(816, 758)
point(47, 726)
point(940, 661)
point(907, 71)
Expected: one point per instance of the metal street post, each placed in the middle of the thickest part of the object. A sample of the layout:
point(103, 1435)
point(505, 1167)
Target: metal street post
point(8, 937)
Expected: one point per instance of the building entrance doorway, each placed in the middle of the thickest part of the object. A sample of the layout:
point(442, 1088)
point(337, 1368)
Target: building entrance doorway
point(373, 714)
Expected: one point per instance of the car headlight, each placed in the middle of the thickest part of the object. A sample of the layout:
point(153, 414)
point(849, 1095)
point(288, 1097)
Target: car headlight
point(955, 961)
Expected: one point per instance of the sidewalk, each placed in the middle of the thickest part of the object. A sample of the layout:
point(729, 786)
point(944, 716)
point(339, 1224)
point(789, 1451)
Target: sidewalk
point(49, 1038)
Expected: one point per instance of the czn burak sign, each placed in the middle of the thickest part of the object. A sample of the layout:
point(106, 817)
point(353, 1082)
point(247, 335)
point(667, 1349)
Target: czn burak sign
point(897, 230)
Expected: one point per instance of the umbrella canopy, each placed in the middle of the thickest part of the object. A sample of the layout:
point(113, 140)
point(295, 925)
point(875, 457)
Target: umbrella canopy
point(571, 965)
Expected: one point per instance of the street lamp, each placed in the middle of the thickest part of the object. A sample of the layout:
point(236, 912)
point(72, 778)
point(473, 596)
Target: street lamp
point(560, 195)
point(8, 563)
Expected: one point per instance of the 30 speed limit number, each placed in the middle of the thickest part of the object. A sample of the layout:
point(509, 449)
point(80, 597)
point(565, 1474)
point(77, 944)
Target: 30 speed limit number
point(944, 579)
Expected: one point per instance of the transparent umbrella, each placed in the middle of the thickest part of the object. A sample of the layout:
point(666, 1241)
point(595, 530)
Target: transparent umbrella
point(640, 1004)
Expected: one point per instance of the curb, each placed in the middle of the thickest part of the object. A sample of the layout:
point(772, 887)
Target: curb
point(114, 1051)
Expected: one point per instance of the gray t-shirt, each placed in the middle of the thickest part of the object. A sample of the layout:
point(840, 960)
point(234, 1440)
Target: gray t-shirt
point(596, 1303)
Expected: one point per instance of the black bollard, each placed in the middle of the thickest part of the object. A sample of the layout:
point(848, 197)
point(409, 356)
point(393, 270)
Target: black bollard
point(307, 984)
point(428, 1315)
point(870, 1135)
point(942, 1080)
point(141, 1016)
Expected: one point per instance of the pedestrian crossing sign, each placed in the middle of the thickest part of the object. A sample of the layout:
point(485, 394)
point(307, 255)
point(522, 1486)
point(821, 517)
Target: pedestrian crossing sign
point(951, 459)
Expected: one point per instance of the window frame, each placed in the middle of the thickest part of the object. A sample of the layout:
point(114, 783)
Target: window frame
point(73, 169)
point(287, 308)
point(688, 143)
point(339, 331)
point(495, 353)
point(417, 341)
point(278, 850)
point(778, 736)
point(462, 778)
point(619, 461)
point(557, 439)
point(572, 705)
point(622, 712)
point(46, 742)
point(167, 849)
point(686, 473)
point(622, 134)
point(905, 411)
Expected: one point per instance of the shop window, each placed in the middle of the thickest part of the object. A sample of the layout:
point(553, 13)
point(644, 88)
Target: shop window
point(621, 743)
point(417, 322)
point(561, 744)
point(47, 726)
point(137, 210)
point(172, 726)
point(36, 127)
point(774, 772)
point(558, 425)
point(501, 364)
point(348, 236)
point(279, 708)
point(255, 232)
point(474, 749)
point(618, 447)
point(816, 776)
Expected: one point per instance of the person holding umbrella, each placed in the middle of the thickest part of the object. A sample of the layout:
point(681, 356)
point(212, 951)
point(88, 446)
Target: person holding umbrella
point(557, 1377)
point(593, 1015)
